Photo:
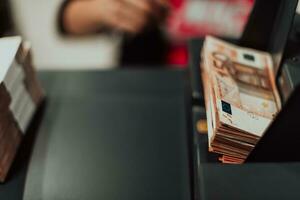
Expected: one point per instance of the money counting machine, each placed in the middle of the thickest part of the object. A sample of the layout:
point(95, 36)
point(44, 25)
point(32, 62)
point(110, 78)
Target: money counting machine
point(269, 32)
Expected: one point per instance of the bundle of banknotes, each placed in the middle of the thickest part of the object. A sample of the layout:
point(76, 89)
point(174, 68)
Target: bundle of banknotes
point(241, 98)
point(20, 96)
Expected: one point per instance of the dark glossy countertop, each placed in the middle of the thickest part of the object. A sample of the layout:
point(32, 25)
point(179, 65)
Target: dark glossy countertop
point(107, 135)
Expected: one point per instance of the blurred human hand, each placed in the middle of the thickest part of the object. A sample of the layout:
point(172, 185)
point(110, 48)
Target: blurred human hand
point(127, 15)
point(89, 16)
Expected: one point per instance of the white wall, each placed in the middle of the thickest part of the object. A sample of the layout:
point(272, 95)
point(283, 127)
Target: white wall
point(36, 20)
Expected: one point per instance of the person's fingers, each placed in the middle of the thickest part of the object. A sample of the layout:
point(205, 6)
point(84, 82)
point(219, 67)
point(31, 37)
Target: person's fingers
point(127, 15)
point(134, 20)
point(125, 27)
point(142, 5)
point(122, 25)
point(125, 21)
point(131, 17)
point(134, 14)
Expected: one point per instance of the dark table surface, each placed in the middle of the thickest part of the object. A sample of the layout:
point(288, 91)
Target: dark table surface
point(106, 135)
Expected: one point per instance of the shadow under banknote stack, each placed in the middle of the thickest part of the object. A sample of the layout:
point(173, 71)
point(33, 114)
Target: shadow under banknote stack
point(241, 98)
point(20, 95)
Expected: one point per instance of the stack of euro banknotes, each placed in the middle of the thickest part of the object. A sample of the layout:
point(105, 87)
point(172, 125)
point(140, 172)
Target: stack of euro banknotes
point(20, 96)
point(241, 98)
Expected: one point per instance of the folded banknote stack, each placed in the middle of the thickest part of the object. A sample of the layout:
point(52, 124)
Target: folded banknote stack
point(20, 95)
point(241, 98)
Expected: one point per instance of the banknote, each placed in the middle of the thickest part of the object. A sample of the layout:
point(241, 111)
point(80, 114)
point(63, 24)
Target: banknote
point(244, 91)
point(241, 97)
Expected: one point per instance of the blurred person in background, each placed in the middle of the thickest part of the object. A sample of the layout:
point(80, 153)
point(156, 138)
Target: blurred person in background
point(98, 34)
point(151, 43)
point(143, 42)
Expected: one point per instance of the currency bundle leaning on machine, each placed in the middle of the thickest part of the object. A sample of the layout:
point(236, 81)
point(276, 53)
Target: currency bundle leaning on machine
point(20, 96)
point(241, 98)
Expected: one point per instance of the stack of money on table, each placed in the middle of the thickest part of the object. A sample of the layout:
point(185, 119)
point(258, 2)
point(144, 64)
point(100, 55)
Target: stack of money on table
point(241, 98)
point(20, 96)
